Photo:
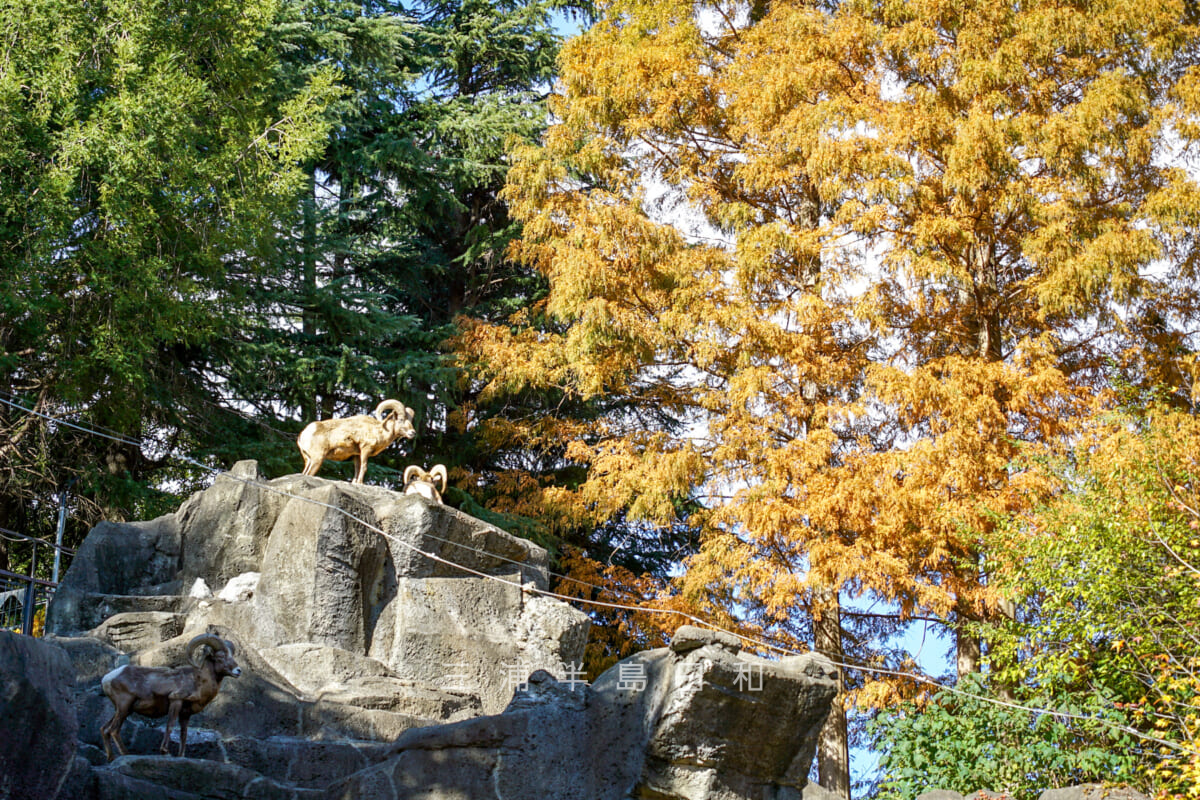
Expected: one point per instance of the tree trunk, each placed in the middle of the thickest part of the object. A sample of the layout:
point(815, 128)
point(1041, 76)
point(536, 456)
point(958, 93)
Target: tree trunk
point(968, 650)
point(833, 748)
point(1006, 689)
point(308, 261)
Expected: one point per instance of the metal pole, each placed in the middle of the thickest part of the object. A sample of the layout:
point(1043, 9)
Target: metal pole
point(30, 594)
point(62, 526)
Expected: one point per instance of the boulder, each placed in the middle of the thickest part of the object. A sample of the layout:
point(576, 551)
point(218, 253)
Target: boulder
point(119, 567)
point(477, 636)
point(312, 667)
point(132, 631)
point(239, 589)
point(701, 725)
point(361, 617)
point(180, 777)
point(37, 718)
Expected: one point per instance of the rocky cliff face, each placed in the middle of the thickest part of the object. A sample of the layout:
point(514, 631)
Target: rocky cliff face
point(320, 595)
point(373, 666)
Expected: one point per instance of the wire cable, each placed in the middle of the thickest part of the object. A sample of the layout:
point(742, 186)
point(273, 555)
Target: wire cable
point(532, 589)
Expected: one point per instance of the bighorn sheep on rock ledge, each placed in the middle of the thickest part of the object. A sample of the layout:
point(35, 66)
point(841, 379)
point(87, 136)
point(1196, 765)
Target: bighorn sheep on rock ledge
point(358, 437)
point(418, 481)
point(176, 693)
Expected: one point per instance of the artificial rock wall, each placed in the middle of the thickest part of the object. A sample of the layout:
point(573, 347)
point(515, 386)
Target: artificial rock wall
point(374, 667)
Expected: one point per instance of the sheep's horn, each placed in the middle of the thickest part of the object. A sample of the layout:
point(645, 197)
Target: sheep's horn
point(409, 471)
point(213, 641)
point(394, 406)
point(229, 646)
point(439, 472)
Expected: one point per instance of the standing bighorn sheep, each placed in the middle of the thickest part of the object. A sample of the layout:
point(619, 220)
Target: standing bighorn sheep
point(418, 481)
point(176, 693)
point(358, 437)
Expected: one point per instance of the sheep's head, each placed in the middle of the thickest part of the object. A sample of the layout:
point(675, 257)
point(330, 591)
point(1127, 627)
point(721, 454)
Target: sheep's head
point(397, 419)
point(427, 484)
point(206, 646)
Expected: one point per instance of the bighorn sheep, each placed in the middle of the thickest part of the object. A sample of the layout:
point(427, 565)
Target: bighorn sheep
point(176, 693)
point(358, 437)
point(418, 481)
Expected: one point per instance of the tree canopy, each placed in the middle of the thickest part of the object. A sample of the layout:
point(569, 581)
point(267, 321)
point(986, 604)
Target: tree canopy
point(791, 314)
point(935, 236)
point(146, 156)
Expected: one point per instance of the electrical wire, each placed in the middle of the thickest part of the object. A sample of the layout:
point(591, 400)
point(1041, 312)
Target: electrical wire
point(532, 589)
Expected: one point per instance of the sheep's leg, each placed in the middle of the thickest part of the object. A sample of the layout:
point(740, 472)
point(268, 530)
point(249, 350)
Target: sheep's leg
point(103, 739)
point(360, 467)
point(112, 729)
point(183, 721)
point(311, 465)
point(172, 715)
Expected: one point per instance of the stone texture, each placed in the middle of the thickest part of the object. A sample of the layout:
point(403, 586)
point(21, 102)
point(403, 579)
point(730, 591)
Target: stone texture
point(205, 779)
point(322, 573)
point(405, 697)
point(311, 667)
point(661, 725)
point(475, 636)
point(139, 630)
point(120, 567)
point(349, 640)
point(239, 589)
point(90, 658)
point(815, 791)
point(690, 637)
point(327, 580)
point(37, 718)
point(223, 527)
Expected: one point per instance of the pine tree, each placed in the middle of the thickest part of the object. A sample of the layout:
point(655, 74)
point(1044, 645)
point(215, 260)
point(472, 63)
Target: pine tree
point(401, 231)
point(145, 157)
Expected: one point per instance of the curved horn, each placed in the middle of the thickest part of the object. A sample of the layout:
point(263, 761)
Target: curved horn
point(229, 646)
point(395, 406)
point(439, 473)
point(411, 470)
point(215, 642)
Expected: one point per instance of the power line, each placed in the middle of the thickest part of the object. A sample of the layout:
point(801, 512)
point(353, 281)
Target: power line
point(215, 471)
point(916, 677)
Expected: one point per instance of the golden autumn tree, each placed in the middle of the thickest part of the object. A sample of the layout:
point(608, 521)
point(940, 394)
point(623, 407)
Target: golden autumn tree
point(879, 258)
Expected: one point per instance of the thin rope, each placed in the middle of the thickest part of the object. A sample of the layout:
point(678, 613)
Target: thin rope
point(531, 589)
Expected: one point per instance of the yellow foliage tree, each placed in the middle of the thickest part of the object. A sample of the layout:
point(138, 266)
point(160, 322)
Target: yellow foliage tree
point(933, 234)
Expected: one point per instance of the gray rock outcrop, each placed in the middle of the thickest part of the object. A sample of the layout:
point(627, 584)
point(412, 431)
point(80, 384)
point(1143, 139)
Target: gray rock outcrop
point(705, 723)
point(375, 665)
point(327, 580)
point(37, 718)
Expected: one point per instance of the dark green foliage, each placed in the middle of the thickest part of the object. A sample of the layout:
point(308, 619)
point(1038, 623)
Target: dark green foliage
point(401, 232)
point(964, 741)
point(146, 154)
point(1106, 627)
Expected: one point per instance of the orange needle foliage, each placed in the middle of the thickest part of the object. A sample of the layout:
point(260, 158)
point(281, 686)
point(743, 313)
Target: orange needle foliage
point(936, 231)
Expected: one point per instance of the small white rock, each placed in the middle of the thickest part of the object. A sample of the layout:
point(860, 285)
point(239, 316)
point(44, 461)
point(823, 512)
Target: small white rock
point(200, 589)
point(240, 588)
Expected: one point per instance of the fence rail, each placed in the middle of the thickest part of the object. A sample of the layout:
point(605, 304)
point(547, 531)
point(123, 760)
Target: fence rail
point(22, 596)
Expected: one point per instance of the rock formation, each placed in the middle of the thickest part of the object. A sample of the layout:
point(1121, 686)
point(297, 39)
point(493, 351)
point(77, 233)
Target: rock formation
point(373, 666)
point(37, 718)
